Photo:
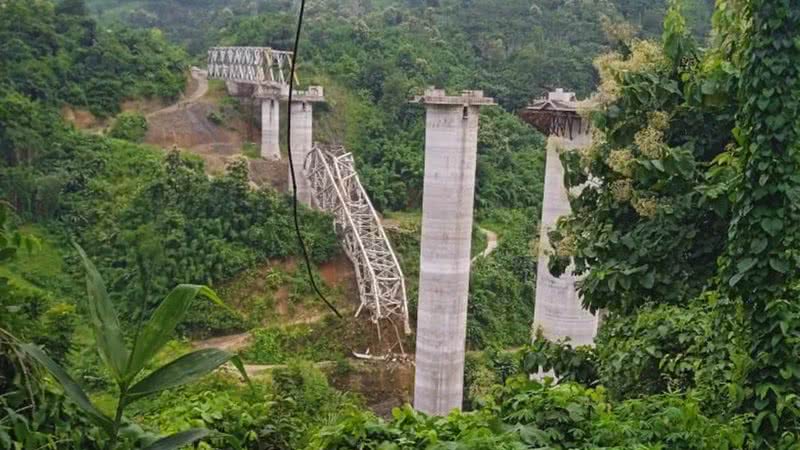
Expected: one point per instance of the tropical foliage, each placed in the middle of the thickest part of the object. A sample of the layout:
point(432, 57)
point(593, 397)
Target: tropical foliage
point(529, 414)
point(683, 232)
point(723, 197)
point(126, 364)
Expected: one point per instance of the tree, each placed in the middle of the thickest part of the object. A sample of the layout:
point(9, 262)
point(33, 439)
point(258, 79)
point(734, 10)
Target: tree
point(650, 224)
point(129, 126)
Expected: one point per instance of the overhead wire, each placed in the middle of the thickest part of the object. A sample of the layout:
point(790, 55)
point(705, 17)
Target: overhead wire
point(300, 239)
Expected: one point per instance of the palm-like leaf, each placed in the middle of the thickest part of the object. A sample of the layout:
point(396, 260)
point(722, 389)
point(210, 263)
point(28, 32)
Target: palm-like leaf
point(161, 325)
point(104, 321)
point(184, 370)
point(71, 388)
point(179, 440)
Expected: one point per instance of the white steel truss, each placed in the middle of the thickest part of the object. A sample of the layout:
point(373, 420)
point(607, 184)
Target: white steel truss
point(338, 190)
point(250, 65)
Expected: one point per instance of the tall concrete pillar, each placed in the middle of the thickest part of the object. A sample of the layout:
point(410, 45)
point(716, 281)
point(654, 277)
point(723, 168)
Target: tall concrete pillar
point(558, 312)
point(451, 143)
point(270, 128)
point(302, 136)
point(302, 141)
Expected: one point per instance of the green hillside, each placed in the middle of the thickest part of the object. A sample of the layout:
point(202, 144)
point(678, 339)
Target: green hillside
point(683, 231)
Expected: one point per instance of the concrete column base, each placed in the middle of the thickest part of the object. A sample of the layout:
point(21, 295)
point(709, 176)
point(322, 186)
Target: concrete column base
point(558, 312)
point(302, 143)
point(270, 129)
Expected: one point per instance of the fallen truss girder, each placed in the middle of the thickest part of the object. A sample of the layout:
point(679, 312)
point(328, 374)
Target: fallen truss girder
point(338, 190)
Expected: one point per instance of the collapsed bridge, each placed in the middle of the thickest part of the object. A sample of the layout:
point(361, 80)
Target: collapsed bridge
point(326, 177)
point(337, 189)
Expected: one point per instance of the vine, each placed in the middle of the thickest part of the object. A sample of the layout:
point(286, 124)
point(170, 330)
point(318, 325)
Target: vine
point(760, 262)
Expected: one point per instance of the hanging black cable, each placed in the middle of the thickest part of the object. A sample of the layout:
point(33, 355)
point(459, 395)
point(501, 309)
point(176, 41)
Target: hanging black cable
point(291, 163)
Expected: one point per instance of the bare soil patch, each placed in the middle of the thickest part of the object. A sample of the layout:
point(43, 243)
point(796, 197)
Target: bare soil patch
point(82, 119)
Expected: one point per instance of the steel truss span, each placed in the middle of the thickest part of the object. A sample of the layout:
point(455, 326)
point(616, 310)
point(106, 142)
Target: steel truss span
point(337, 189)
point(251, 65)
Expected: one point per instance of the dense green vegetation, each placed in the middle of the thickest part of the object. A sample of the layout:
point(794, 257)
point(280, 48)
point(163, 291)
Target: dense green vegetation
point(684, 236)
point(372, 55)
point(127, 364)
point(60, 55)
point(146, 217)
point(685, 227)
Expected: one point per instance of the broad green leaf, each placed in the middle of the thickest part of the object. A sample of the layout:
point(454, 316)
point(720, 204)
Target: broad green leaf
point(647, 280)
point(758, 245)
point(746, 264)
point(71, 388)
point(658, 165)
point(179, 440)
point(185, 369)
point(779, 265)
point(161, 325)
point(736, 279)
point(772, 225)
point(104, 320)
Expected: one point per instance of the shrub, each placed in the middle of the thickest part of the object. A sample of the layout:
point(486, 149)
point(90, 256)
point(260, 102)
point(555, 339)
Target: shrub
point(568, 363)
point(665, 349)
point(277, 415)
point(529, 414)
point(487, 371)
point(572, 416)
point(206, 319)
point(280, 345)
point(129, 126)
point(251, 150)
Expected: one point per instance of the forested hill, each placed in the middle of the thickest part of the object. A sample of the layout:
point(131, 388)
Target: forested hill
point(513, 49)
point(372, 55)
point(684, 231)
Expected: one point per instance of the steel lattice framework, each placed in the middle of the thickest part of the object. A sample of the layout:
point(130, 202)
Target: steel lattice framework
point(250, 65)
point(338, 190)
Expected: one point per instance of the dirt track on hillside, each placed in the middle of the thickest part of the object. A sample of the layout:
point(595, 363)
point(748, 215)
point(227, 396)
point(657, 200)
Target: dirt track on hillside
point(187, 125)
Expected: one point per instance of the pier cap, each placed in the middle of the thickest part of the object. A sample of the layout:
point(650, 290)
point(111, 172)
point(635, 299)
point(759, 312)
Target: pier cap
point(313, 94)
point(433, 96)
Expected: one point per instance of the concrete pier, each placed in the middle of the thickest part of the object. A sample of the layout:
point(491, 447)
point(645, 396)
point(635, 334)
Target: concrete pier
point(302, 136)
point(451, 142)
point(558, 312)
point(302, 140)
point(270, 128)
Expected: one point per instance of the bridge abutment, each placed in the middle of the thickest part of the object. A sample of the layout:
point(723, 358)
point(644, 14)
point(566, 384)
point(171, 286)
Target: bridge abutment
point(451, 143)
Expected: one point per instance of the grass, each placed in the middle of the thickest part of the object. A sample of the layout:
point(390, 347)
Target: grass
point(277, 345)
point(479, 242)
point(410, 220)
point(277, 293)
